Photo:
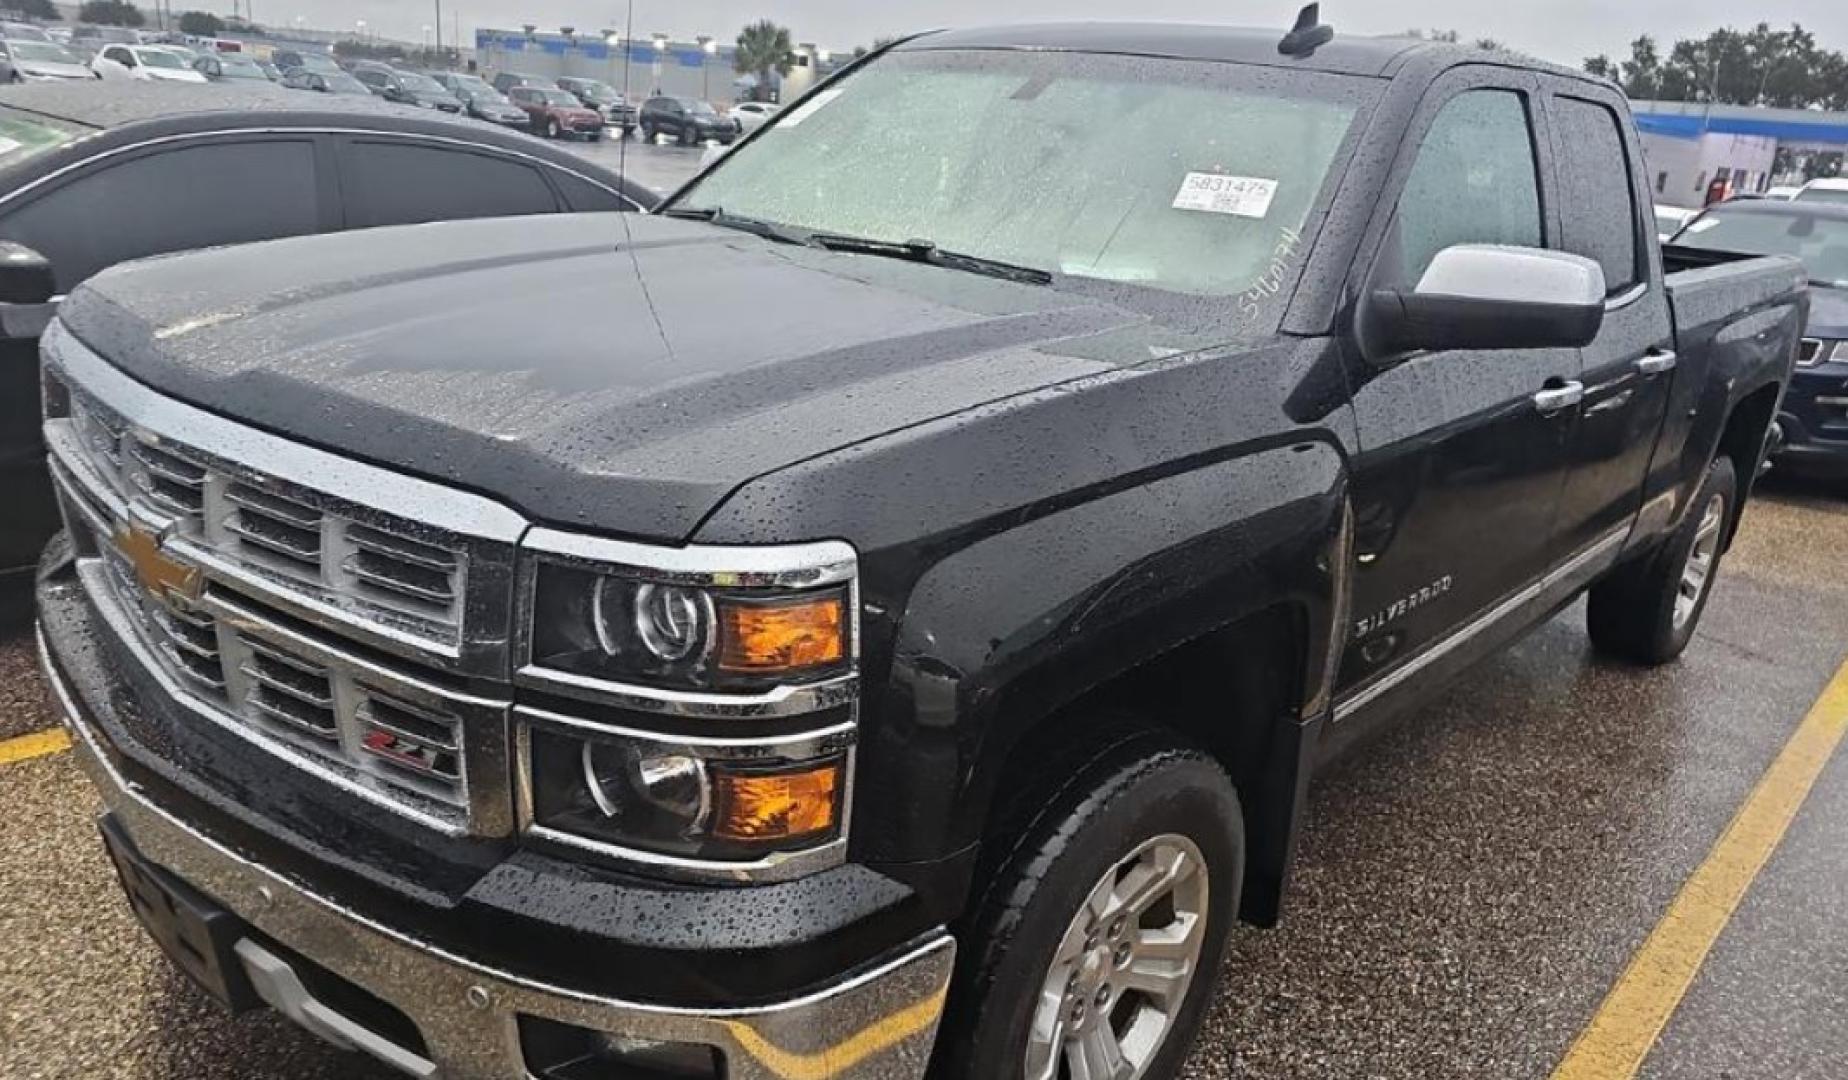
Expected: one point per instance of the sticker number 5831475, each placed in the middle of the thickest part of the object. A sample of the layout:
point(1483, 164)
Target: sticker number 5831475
point(1216, 193)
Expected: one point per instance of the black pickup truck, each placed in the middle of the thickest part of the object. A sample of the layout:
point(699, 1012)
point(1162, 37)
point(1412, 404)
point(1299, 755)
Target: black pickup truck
point(880, 613)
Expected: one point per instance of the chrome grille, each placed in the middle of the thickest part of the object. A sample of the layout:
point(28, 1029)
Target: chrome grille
point(269, 588)
point(388, 571)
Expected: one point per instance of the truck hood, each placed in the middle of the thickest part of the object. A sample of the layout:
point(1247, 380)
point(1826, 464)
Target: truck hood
point(621, 373)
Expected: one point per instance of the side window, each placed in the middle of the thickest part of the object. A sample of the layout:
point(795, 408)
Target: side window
point(1596, 195)
point(190, 197)
point(1475, 181)
point(401, 183)
point(581, 195)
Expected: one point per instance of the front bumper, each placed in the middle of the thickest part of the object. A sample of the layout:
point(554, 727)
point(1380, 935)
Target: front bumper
point(1813, 421)
point(877, 1023)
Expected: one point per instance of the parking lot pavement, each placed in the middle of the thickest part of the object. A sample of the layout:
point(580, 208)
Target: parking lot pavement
point(661, 168)
point(1469, 887)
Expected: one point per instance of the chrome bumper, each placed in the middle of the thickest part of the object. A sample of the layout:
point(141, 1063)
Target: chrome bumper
point(877, 1024)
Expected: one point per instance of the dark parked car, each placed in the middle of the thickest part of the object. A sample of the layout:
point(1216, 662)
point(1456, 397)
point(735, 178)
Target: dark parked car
point(556, 114)
point(481, 100)
point(537, 668)
point(93, 174)
point(287, 60)
point(1812, 425)
point(606, 99)
point(505, 81)
point(335, 82)
point(231, 67)
point(686, 120)
point(406, 87)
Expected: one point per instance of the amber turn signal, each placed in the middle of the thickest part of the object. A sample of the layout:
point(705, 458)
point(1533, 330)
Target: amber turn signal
point(787, 635)
point(761, 806)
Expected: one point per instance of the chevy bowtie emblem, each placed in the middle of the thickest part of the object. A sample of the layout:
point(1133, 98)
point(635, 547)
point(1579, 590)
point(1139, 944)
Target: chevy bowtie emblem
point(158, 573)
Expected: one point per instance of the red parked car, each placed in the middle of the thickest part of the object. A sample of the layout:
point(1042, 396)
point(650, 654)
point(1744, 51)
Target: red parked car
point(557, 114)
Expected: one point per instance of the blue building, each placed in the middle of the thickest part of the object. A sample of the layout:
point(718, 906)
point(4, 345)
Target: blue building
point(1687, 145)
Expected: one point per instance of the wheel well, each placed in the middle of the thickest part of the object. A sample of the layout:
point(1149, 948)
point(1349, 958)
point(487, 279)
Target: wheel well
point(1233, 693)
point(1743, 440)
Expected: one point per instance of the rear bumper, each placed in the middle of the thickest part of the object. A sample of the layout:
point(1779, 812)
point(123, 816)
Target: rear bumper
point(875, 1023)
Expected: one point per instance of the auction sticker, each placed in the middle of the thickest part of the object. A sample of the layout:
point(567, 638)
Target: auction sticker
point(1216, 193)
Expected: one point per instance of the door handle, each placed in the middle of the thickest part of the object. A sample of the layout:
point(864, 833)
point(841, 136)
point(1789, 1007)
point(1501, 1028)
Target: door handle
point(1656, 363)
point(1555, 398)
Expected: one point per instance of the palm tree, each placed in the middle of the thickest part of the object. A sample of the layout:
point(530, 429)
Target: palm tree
point(764, 47)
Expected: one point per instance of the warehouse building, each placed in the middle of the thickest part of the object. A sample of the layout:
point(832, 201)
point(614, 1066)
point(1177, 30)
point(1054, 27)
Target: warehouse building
point(1688, 145)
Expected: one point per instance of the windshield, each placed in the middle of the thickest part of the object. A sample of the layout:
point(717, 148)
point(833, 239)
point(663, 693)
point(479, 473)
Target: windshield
point(160, 58)
point(699, 107)
point(1837, 196)
point(22, 32)
point(25, 135)
point(342, 83)
point(596, 91)
point(1174, 176)
point(557, 97)
point(240, 69)
point(1820, 240)
point(422, 84)
point(470, 85)
point(316, 62)
point(42, 51)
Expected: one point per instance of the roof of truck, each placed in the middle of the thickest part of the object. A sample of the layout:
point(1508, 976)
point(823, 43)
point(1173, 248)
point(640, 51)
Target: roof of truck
point(1346, 54)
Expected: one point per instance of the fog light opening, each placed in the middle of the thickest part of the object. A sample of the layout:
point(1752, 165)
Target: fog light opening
point(557, 1051)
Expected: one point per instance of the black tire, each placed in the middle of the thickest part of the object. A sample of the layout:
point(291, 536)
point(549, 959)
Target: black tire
point(1131, 787)
point(552, 130)
point(1632, 614)
point(648, 134)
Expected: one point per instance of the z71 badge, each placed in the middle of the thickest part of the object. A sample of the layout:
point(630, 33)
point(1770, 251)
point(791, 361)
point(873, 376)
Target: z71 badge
point(1402, 607)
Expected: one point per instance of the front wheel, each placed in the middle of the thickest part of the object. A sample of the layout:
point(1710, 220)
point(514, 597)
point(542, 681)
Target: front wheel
point(1647, 612)
point(552, 130)
point(1094, 952)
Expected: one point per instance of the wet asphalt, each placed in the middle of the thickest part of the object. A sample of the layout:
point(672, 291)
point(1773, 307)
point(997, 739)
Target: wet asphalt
point(1470, 884)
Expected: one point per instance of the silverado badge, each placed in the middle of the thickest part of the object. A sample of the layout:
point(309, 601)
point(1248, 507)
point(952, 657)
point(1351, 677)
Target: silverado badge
point(160, 574)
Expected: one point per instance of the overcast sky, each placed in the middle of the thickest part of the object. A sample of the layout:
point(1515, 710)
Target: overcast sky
point(1562, 30)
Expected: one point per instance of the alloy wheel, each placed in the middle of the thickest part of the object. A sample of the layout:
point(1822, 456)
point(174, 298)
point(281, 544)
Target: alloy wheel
point(1121, 972)
point(1697, 571)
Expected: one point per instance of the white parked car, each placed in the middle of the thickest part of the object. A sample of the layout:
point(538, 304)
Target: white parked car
point(752, 114)
point(1784, 192)
point(1670, 219)
point(1831, 190)
point(39, 61)
point(144, 63)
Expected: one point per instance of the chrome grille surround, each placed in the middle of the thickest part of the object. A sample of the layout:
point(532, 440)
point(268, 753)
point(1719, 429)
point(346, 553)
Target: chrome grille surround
point(308, 658)
point(1809, 352)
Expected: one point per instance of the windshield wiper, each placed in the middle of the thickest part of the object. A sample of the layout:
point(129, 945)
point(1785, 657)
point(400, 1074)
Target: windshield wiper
point(927, 251)
point(716, 215)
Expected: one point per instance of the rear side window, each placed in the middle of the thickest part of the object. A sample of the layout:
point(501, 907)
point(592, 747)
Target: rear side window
point(582, 195)
point(1475, 181)
point(191, 197)
point(1596, 197)
point(399, 183)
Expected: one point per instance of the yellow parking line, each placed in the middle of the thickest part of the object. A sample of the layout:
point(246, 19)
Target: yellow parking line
point(37, 744)
point(1628, 1023)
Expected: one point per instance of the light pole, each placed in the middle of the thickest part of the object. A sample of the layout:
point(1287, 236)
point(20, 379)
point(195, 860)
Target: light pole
point(708, 48)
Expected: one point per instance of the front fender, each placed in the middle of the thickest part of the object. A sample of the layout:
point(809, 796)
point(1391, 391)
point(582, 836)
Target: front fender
point(1001, 635)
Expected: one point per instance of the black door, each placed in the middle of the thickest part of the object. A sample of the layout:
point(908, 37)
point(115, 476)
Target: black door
point(1461, 465)
point(1630, 368)
point(399, 180)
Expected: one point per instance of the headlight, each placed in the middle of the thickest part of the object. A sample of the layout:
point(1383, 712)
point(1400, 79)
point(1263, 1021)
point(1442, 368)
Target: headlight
point(634, 628)
point(698, 800)
point(1840, 352)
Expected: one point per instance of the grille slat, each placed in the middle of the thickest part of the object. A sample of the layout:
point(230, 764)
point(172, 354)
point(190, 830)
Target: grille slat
point(288, 711)
point(408, 580)
point(402, 549)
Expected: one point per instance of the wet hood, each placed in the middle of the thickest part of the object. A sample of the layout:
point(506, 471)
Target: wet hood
point(616, 372)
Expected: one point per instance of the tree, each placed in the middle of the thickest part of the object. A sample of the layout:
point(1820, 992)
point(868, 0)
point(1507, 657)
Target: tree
point(43, 10)
point(202, 23)
point(764, 47)
point(1760, 66)
point(111, 13)
point(1600, 66)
